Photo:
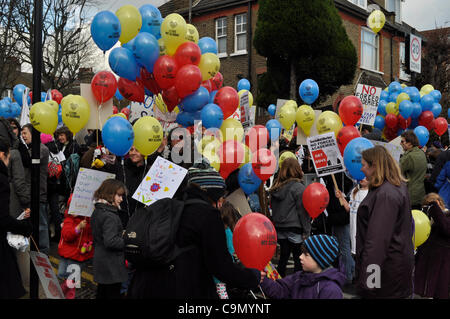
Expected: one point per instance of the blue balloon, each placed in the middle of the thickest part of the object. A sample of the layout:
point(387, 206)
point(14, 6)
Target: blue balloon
point(422, 134)
point(436, 110)
point(118, 95)
point(7, 99)
point(427, 102)
point(400, 131)
point(207, 44)
point(384, 96)
point(195, 101)
point(5, 109)
point(212, 95)
point(43, 96)
point(393, 97)
point(247, 179)
point(123, 63)
point(274, 128)
point(212, 116)
point(185, 119)
point(197, 116)
point(414, 94)
point(352, 156)
point(436, 94)
point(146, 50)
point(151, 20)
point(105, 30)
point(243, 84)
point(379, 122)
point(272, 109)
point(382, 107)
point(448, 113)
point(405, 108)
point(414, 123)
point(18, 92)
point(60, 115)
point(417, 110)
point(16, 109)
point(395, 87)
point(118, 135)
point(129, 46)
point(309, 91)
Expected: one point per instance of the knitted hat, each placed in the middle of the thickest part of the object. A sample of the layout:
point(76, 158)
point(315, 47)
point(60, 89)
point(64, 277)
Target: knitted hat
point(323, 249)
point(208, 179)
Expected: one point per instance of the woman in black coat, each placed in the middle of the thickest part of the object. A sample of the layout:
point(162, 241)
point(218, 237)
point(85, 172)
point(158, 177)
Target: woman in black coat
point(10, 280)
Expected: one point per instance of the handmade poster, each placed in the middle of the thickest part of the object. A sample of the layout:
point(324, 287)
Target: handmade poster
point(325, 154)
point(46, 275)
point(369, 96)
point(88, 181)
point(301, 136)
point(271, 271)
point(239, 201)
point(99, 113)
point(395, 150)
point(161, 181)
point(245, 110)
point(280, 103)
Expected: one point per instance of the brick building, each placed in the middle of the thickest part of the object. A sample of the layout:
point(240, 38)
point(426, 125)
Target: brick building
point(232, 24)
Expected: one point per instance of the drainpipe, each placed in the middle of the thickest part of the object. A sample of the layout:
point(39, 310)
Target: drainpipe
point(249, 41)
point(392, 51)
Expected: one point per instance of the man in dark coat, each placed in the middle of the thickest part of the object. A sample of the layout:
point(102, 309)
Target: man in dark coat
point(201, 229)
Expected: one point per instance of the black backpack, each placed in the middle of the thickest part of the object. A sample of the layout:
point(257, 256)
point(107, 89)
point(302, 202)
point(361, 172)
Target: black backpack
point(151, 233)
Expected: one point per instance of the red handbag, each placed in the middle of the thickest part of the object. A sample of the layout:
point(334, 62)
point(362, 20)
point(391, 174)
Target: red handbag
point(54, 168)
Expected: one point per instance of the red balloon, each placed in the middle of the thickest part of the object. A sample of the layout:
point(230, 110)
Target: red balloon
point(131, 90)
point(255, 240)
point(207, 84)
point(231, 155)
point(125, 111)
point(165, 70)
point(148, 79)
point(345, 135)
point(402, 122)
point(390, 133)
point(426, 118)
point(57, 96)
point(315, 199)
point(171, 98)
point(216, 81)
point(390, 120)
point(350, 110)
point(257, 137)
point(188, 53)
point(228, 100)
point(115, 109)
point(188, 80)
point(440, 126)
point(264, 163)
point(104, 86)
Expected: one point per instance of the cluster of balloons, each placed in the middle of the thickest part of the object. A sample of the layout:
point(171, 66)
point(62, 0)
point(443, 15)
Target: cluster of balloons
point(8, 108)
point(402, 107)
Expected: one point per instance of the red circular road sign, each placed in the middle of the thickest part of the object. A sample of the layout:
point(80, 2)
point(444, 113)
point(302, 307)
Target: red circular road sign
point(415, 49)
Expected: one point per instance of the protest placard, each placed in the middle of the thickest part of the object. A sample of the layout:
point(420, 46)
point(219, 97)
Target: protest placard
point(394, 149)
point(369, 96)
point(138, 110)
point(46, 275)
point(88, 181)
point(239, 201)
point(245, 109)
point(99, 113)
point(161, 181)
point(325, 154)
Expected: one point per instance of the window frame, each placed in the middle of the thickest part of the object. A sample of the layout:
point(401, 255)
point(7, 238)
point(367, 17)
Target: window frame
point(357, 3)
point(402, 63)
point(225, 28)
point(397, 10)
point(377, 47)
point(236, 51)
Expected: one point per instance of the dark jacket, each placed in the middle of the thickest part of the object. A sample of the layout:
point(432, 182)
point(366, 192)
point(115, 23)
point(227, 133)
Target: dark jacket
point(384, 238)
point(10, 280)
point(413, 164)
point(306, 285)
point(443, 158)
point(20, 197)
point(432, 271)
point(337, 215)
point(109, 257)
point(443, 183)
point(43, 172)
point(288, 212)
point(201, 229)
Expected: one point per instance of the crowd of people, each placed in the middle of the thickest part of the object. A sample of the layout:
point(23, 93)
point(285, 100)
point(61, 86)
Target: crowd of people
point(362, 240)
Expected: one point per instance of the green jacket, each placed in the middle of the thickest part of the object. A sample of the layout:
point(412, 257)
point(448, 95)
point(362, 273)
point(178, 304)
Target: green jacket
point(413, 164)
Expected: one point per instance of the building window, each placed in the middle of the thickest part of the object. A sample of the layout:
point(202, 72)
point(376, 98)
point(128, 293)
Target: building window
point(221, 36)
point(240, 36)
point(395, 6)
point(360, 3)
point(369, 50)
point(402, 74)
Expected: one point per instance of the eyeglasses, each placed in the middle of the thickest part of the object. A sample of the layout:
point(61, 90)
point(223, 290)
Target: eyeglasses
point(14, 127)
point(402, 142)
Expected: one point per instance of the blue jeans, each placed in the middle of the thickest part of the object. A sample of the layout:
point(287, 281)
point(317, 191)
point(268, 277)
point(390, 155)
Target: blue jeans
point(44, 240)
point(63, 264)
point(342, 233)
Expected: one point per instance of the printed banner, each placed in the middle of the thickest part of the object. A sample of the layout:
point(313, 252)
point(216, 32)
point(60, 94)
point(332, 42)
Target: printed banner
point(46, 275)
point(325, 154)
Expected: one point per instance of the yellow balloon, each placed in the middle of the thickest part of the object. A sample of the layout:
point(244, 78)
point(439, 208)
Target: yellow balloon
point(191, 33)
point(148, 135)
point(376, 20)
point(118, 114)
point(403, 85)
point(401, 97)
point(287, 116)
point(305, 117)
point(291, 103)
point(250, 97)
point(131, 22)
point(75, 112)
point(329, 121)
point(232, 130)
point(53, 104)
point(426, 89)
point(386, 89)
point(173, 31)
point(162, 47)
point(213, 159)
point(43, 118)
point(284, 156)
point(422, 227)
point(247, 155)
point(392, 108)
point(209, 65)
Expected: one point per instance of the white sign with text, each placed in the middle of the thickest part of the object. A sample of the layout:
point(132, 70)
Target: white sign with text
point(369, 96)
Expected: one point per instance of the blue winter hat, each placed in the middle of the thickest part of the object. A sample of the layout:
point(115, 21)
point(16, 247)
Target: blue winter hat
point(323, 249)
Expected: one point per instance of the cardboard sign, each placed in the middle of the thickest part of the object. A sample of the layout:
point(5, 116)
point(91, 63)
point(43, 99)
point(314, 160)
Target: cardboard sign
point(46, 275)
point(395, 150)
point(239, 201)
point(161, 181)
point(301, 136)
point(325, 154)
point(88, 181)
point(99, 113)
point(245, 109)
point(138, 110)
point(280, 103)
point(369, 96)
